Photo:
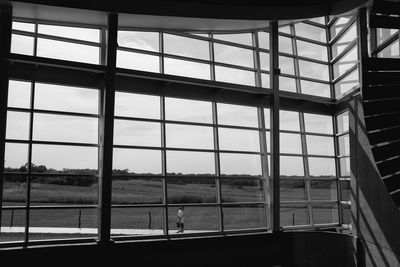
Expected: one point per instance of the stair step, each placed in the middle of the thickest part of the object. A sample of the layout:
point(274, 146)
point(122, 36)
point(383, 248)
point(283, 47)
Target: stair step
point(379, 21)
point(380, 64)
point(382, 121)
point(384, 135)
point(381, 92)
point(386, 151)
point(386, 7)
point(381, 78)
point(381, 106)
point(389, 167)
point(392, 183)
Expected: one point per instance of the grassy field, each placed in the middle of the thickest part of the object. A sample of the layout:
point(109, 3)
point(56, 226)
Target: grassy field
point(143, 191)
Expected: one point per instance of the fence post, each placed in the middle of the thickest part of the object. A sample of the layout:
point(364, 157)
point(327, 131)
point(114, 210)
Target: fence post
point(12, 218)
point(80, 219)
point(149, 219)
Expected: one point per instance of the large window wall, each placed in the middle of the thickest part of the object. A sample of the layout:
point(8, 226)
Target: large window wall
point(209, 155)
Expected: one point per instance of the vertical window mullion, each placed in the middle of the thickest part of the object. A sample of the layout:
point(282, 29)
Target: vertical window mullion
point(212, 57)
point(257, 62)
point(164, 165)
point(336, 151)
point(161, 44)
point(217, 166)
point(306, 167)
point(295, 59)
point(330, 65)
point(264, 167)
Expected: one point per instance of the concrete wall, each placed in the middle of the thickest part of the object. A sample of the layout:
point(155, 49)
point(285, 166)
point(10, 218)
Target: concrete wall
point(375, 218)
point(291, 249)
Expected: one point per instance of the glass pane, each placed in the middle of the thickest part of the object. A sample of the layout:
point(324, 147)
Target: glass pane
point(23, 26)
point(188, 110)
point(233, 55)
point(68, 51)
point(290, 143)
point(85, 34)
point(21, 44)
point(240, 164)
point(285, 44)
point(344, 145)
point(62, 223)
point(285, 29)
point(323, 190)
point(293, 214)
point(14, 189)
point(139, 40)
point(66, 98)
point(344, 167)
point(267, 118)
point(196, 219)
point(322, 167)
point(140, 190)
point(229, 75)
point(12, 224)
point(137, 61)
point(264, 61)
point(338, 26)
point(136, 105)
point(16, 157)
point(17, 125)
point(291, 167)
point(137, 221)
point(188, 47)
point(345, 190)
point(314, 70)
point(186, 68)
point(289, 120)
point(311, 32)
point(184, 162)
point(19, 94)
point(191, 190)
point(346, 211)
point(287, 84)
point(346, 84)
point(48, 127)
point(392, 51)
point(292, 190)
point(263, 40)
point(340, 45)
point(239, 140)
point(265, 80)
point(384, 34)
point(315, 123)
point(137, 133)
point(244, 217)
point(325, 213)
point(346, 62)
point(320, 145)
point(187, 136)
point(237, 115)
point(310, 50)
point(317, 89)
point(320, 20)
point(238, 38)
point(136, 161)
point(70, 159)
point(343, 122)
point(286, 64)
point(241, 190)
point(64, 190)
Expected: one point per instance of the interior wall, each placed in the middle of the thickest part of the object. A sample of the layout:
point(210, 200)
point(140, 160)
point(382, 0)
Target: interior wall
point(375, 218)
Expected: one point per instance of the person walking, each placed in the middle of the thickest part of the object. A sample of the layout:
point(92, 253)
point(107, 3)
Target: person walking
point(180, 220)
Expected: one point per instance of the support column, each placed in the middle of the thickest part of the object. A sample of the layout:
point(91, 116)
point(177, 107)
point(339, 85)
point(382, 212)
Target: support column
point(106, 126)
point(275, 71)
point(5, 45)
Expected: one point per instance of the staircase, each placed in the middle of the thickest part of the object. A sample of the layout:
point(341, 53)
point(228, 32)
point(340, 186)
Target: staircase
point(381, 95)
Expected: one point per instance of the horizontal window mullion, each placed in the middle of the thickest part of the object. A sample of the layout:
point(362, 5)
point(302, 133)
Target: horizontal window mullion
point(127, 206)
point(243, 204)
point(231, 66)
point(303, 78)
point(301, 38)
point(36, 142)
point(138, 51)
point(188, 35)
point(240, 152)
point(139, 147)
point(23, 33)
point(55, 174)
point(185, 58)
point(308, 133)
point(323, 26)
point(57, 23)
point(65, 113)
point(67, 40)
point(61, 207)
point(218, 41)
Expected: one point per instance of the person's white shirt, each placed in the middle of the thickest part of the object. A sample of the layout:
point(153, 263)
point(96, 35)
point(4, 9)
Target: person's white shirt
point(180, 216)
